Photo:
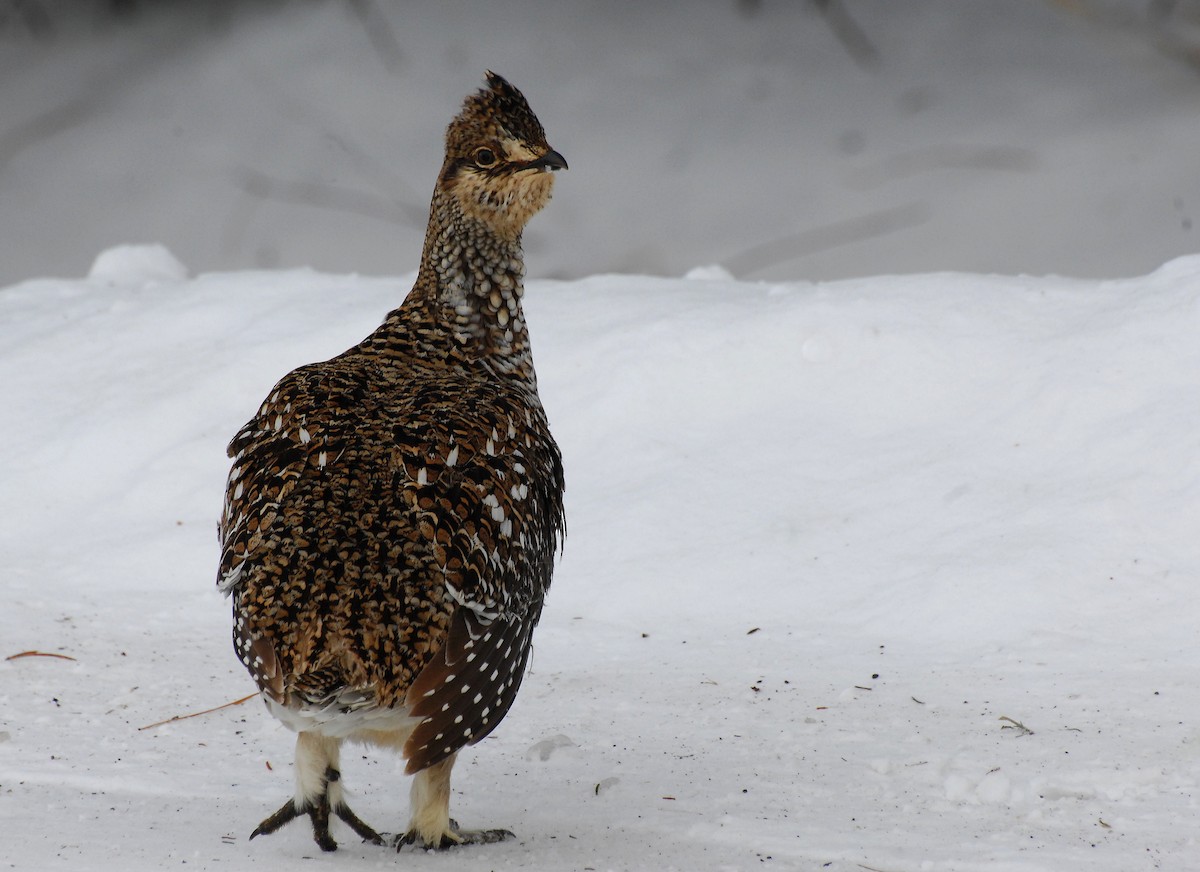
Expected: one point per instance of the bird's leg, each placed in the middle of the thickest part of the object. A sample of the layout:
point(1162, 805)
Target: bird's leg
point(430, 825)
point(318, 792)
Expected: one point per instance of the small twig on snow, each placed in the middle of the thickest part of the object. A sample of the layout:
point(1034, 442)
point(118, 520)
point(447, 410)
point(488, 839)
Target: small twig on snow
point(197, 714)
point(38, 654)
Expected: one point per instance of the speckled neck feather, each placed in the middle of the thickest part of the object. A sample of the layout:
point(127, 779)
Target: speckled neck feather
point(465, 307)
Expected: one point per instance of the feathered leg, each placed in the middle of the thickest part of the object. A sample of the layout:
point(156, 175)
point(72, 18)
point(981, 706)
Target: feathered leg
point(430, 825)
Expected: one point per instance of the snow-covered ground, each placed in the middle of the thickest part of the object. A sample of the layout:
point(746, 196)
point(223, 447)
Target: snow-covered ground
point(1013, 136)
point(890, 574)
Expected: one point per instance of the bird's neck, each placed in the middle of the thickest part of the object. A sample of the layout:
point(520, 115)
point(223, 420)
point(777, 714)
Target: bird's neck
point(465, 306)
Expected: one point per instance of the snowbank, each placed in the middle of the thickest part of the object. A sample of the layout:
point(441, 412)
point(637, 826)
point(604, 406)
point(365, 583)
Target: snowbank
point(1023, 136)
point(829, 546)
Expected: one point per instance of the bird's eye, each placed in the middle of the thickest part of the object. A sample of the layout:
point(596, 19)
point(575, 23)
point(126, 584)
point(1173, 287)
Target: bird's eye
point(484, 158)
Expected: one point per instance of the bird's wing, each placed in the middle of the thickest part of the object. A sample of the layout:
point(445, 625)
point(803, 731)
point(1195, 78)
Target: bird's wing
point(468, 687)
point(484, 481)
point(488, 486)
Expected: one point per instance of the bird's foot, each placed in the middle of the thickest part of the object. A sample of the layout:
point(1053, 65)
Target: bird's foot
point(451, 837)
point(356, 823)
point(318, 811)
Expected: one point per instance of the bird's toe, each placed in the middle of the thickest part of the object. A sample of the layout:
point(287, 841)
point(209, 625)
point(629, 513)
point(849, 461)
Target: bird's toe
point(451, 837)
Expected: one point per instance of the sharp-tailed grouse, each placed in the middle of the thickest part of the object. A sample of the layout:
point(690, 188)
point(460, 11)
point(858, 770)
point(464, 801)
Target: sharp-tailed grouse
point(392, 514)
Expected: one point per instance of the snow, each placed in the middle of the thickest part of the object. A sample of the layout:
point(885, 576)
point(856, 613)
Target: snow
point(890, 573)
point(994, 136)
point(126, 264)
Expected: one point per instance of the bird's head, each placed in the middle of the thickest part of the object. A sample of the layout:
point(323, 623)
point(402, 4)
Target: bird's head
point(498, 164)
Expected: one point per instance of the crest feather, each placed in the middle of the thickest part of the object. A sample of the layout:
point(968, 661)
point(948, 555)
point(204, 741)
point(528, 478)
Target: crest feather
point(496, 112)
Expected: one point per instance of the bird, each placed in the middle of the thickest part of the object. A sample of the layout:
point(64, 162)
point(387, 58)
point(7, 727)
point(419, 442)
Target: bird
point(392, 515)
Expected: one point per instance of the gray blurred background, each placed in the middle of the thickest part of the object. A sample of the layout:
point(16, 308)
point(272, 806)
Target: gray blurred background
point(794, 139)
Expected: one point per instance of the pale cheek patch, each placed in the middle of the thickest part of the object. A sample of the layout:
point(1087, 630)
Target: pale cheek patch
point(506, 202)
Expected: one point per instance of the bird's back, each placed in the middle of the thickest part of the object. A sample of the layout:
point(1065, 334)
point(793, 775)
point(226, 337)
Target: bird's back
point(372, 499)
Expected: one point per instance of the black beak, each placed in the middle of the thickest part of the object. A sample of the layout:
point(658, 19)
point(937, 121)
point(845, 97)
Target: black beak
point(551, 160)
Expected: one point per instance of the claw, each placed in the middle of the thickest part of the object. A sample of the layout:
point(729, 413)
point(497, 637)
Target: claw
point(355, 823)
point(285, 815)
point(453, 837)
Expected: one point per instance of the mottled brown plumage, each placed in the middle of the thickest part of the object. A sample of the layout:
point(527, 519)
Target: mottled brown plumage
point(392, 514)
